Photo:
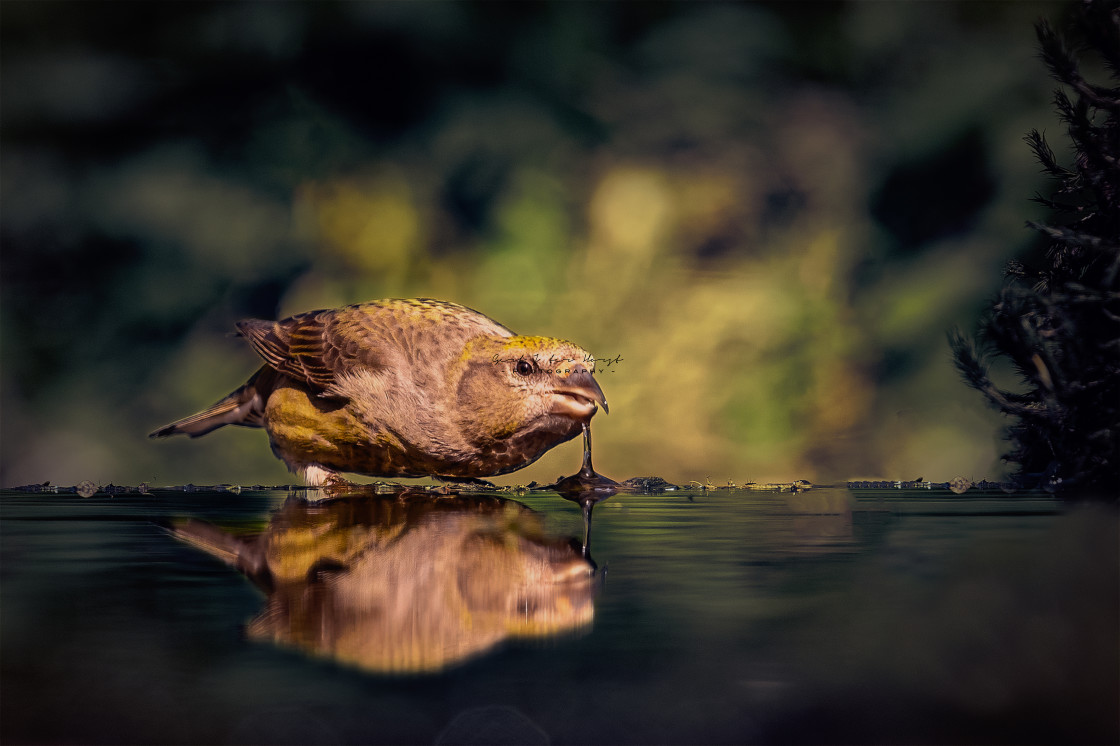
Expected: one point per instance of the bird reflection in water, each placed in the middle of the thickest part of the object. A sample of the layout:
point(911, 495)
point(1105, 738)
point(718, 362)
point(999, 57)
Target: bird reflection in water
point(409, 581)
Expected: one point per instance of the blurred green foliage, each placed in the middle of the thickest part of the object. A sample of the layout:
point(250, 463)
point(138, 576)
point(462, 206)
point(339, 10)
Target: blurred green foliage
point(755, 205)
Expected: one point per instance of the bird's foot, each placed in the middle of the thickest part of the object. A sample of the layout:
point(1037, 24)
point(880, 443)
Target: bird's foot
point(327, 482)
point(337, 482)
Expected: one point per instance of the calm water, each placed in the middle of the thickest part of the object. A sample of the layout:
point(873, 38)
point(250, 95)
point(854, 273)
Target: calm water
point(720, 617)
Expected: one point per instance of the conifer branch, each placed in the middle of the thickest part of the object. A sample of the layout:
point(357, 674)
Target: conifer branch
point(1058, 324)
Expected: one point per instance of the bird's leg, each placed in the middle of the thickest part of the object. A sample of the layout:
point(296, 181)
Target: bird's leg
point(327, 482)
point(315, 475)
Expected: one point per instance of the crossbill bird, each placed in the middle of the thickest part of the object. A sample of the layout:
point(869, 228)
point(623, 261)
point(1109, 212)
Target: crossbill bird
point(405, 388)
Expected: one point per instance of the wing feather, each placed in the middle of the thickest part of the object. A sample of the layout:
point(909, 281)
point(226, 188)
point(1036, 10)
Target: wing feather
point(314, 347)
point(319, 346)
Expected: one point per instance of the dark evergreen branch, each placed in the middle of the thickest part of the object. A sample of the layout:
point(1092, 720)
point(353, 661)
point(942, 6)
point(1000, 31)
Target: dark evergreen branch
point(1066, 109)
point(1058, 324)
point(1067, 236)
point(1102, 30)
point(1053, 51)
point(1045, 155)
point(1063, 207)
point(969, 361)
point(1063, 66)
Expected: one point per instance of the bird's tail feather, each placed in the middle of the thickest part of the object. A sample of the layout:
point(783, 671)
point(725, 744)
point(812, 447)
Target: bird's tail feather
point(245, 407)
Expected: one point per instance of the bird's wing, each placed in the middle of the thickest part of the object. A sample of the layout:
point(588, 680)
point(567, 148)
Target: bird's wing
point(317, 346)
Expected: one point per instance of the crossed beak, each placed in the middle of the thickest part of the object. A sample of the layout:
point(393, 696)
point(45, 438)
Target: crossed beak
point(578, 395)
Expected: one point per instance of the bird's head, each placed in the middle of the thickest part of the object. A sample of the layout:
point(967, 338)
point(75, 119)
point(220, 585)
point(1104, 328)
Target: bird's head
point(515, 384)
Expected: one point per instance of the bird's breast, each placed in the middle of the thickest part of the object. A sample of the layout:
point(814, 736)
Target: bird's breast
point(305, 428)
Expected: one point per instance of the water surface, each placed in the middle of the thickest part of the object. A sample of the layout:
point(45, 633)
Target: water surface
point(718, 617)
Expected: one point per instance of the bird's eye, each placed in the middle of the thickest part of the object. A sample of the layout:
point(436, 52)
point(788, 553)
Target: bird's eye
point(524, 367)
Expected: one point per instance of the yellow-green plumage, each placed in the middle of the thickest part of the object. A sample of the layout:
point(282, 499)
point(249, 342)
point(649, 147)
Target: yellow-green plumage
point(405, 388)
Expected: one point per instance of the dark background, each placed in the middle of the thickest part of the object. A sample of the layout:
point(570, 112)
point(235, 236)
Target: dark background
point(773, 212)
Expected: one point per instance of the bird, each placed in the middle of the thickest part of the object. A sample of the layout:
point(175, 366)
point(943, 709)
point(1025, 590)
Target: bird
point(405, 388)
